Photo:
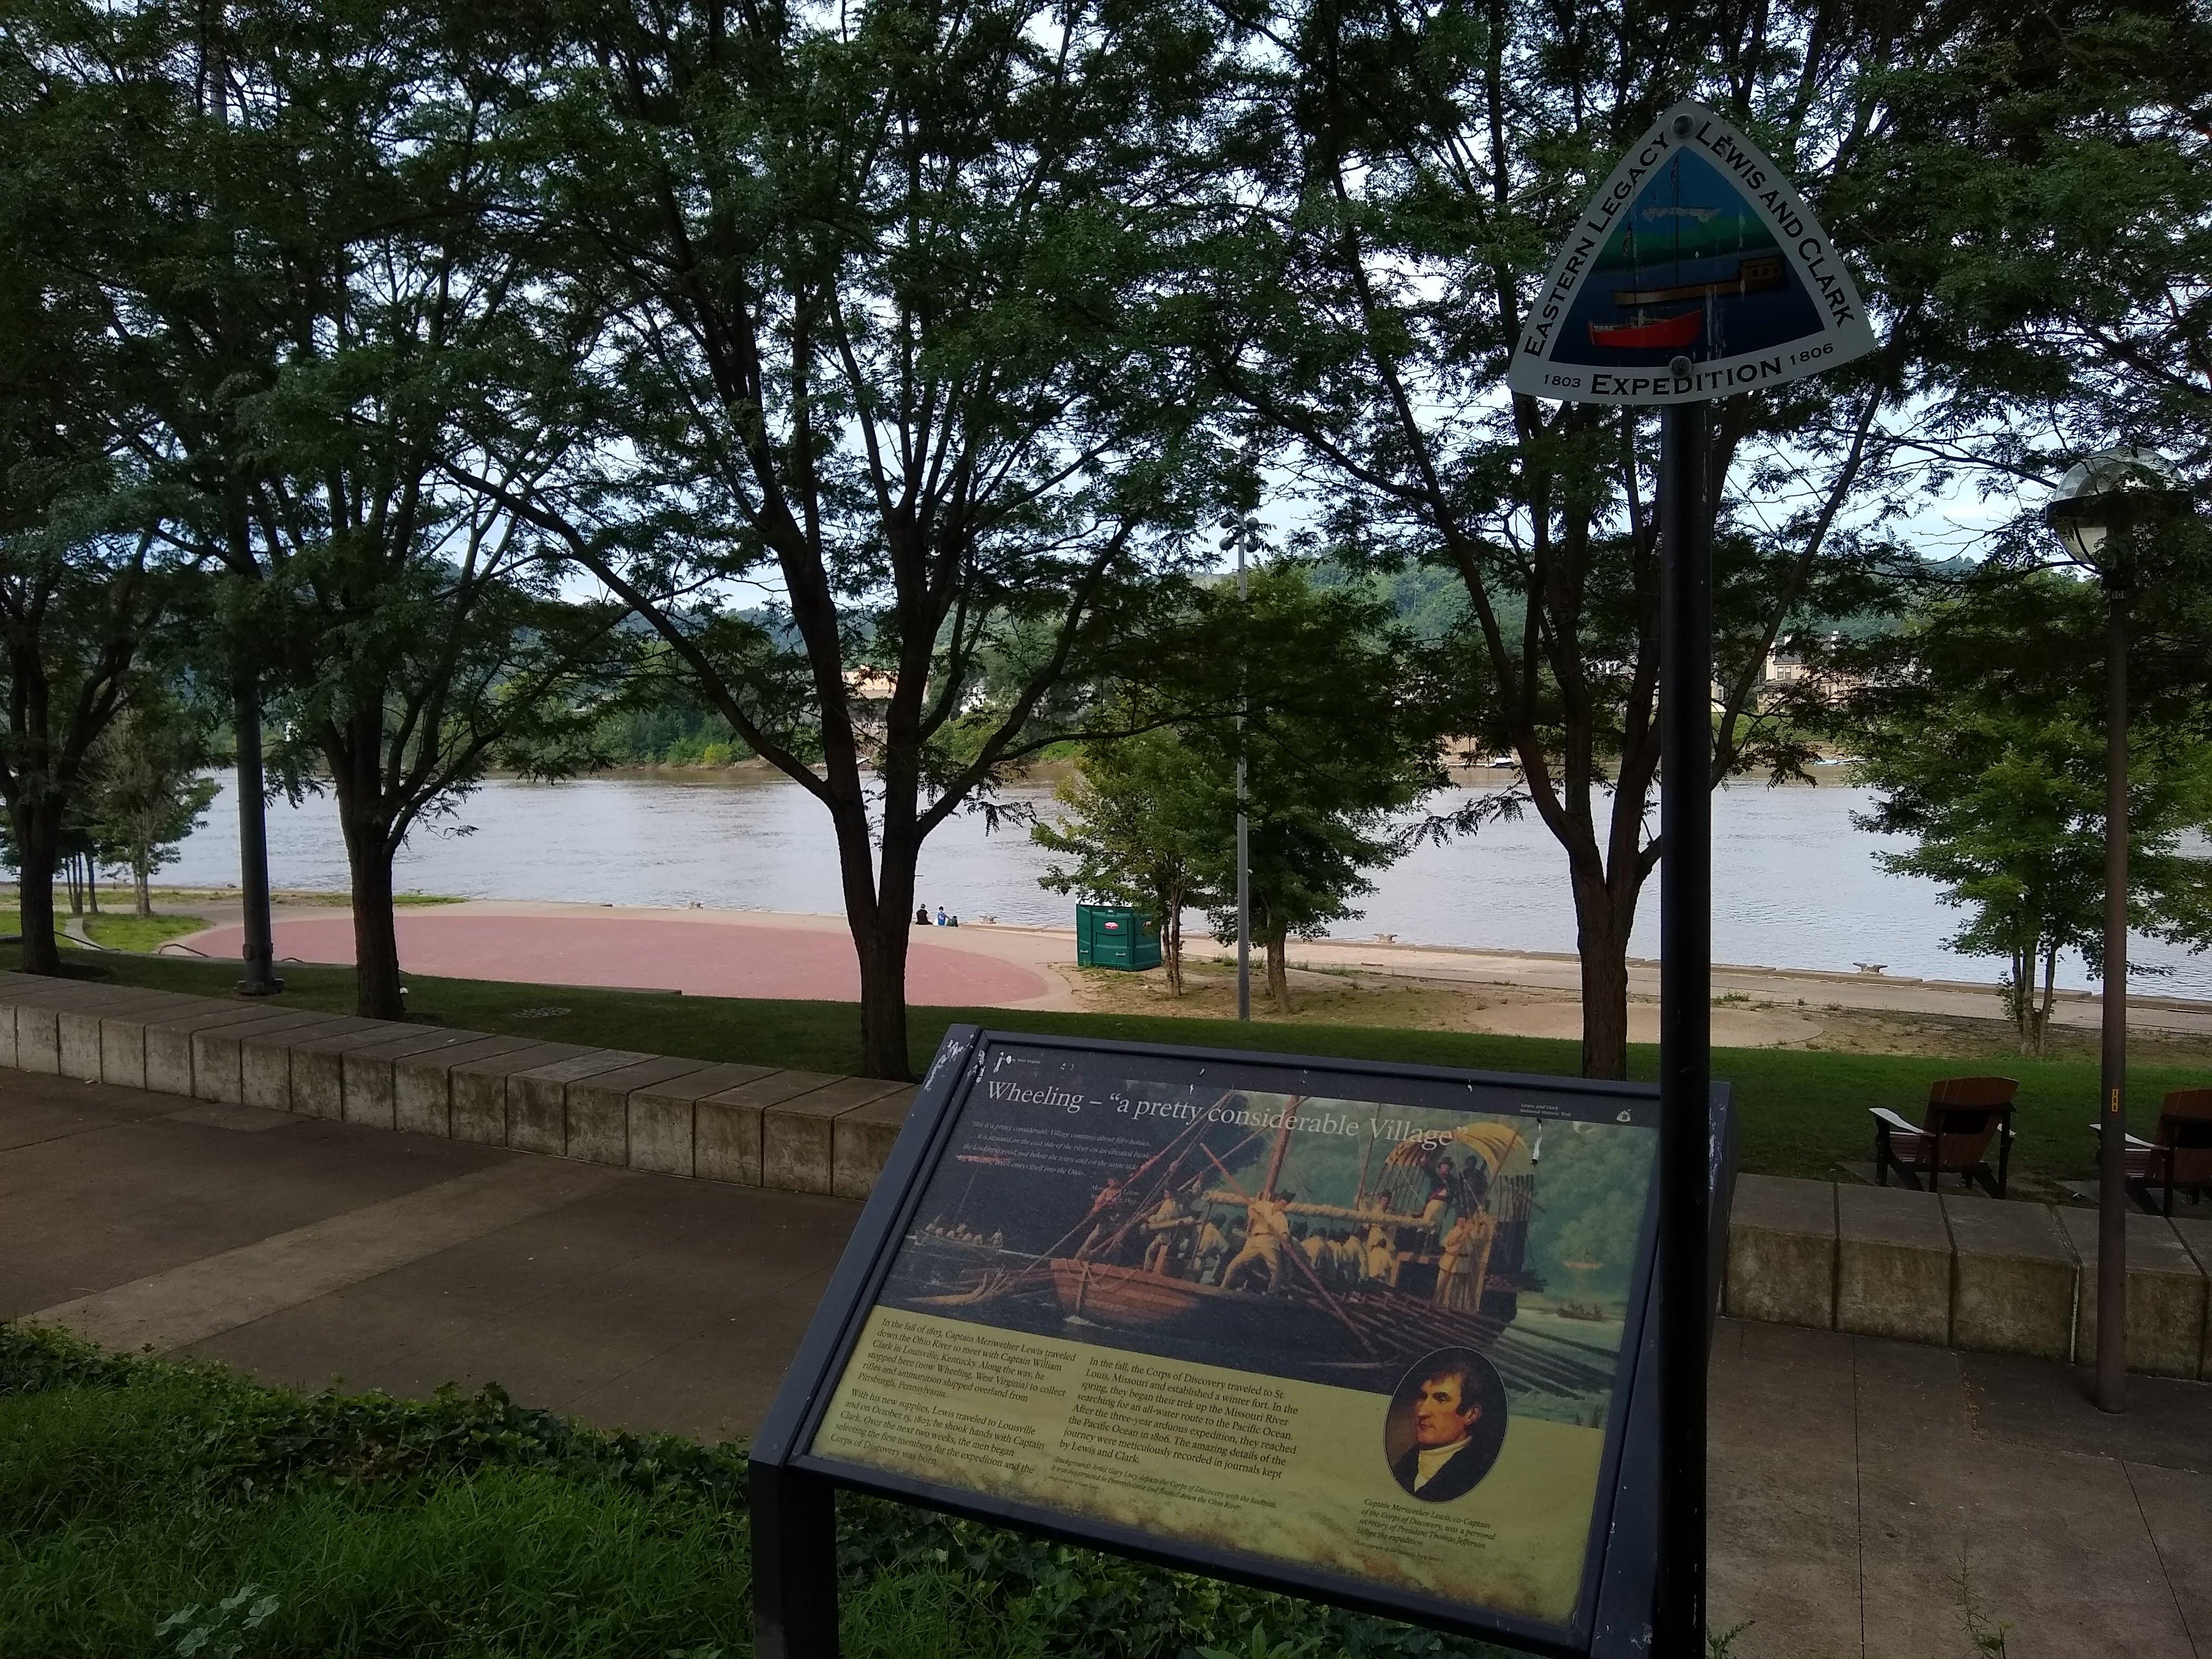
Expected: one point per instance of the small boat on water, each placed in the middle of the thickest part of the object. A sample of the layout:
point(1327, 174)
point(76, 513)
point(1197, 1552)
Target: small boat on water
point(1642, 333)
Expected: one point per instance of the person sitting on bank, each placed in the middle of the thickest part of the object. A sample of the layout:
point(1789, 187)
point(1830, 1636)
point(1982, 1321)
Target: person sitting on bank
point(941, 915)
point(1448, 1454)
point(922, 915)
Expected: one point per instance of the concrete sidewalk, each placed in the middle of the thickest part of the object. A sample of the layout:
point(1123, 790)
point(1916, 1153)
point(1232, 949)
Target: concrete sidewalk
point(1869, 1498)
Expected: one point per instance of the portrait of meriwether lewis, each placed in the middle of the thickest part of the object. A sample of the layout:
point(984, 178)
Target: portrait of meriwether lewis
point(1446, 1423)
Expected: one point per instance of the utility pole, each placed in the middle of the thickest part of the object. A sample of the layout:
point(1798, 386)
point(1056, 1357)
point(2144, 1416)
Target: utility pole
point(1243, 528)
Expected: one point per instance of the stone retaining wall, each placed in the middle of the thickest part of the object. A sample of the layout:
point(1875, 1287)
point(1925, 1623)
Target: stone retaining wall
point(804, 1131)
point(1966, 1272)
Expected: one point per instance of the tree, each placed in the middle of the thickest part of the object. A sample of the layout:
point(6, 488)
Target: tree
point(405, 620)
point(866, 295)
point(170, 192)
point(150, 791)
point(1391, 193)
point(82, 585)
point(2008, 809)
point(1341, 736)
point(1144, 817)
point(75, 614)
point(1983, 728)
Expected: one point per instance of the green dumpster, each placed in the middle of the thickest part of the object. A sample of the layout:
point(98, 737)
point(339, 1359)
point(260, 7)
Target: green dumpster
point(1113, 936)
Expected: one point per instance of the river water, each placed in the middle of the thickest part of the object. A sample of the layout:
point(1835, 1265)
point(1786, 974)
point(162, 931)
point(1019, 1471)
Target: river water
point(1796, 885)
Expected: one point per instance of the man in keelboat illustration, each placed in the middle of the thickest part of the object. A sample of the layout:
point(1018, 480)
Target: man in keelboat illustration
point(1267, 1235)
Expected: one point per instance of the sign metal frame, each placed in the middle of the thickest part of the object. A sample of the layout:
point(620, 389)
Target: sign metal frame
point(795, 1591)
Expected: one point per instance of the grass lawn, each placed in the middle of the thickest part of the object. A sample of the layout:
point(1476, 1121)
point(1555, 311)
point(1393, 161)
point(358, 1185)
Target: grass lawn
point(126, 932)
point(151, 1507)
point(1802, 1112)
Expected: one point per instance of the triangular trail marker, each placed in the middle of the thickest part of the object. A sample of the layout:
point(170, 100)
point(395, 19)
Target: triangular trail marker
point(1697, 271)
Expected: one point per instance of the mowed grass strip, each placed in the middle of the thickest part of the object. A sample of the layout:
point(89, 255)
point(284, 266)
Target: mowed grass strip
point(1803, 1112)
point(151, 1507)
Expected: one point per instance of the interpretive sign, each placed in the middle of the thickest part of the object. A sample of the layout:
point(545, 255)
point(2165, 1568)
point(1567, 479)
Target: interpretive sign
point(1360, 1331)
point(1697, 271)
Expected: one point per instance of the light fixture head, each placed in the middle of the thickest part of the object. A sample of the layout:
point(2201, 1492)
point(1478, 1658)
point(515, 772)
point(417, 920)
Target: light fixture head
point(2108, 491)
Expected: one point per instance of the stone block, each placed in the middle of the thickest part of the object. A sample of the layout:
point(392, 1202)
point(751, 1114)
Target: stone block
point(538, 1099)
point(668, 1133)
point(861, 1139)
point(730, 1133)
point(479, 1088)
point(422, 1084)
point(76, 1030)
point(2166, 1295)
point(169, 1042)
point(34, 1011)
point(264, 1057)
point(2013, 1277)
point(218, 1062)
point(366, 1076)
point(1892, 1264)
point(318, 1066)
point(798, 1133)
point(123, 1036)
point(598, 1110)
point(1782, 1251)
point(37, 1038)
point(2196, 1237)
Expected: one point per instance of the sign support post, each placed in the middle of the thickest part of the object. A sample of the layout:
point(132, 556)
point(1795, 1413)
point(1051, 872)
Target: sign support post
point(1686, 656)
point(1696, 272)
point(794, 1540)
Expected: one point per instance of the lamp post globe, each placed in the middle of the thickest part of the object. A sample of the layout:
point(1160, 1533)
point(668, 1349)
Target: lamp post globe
point(2108, 491)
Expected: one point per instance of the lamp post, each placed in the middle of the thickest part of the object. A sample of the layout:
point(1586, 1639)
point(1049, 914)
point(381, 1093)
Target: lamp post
point(2100, 505)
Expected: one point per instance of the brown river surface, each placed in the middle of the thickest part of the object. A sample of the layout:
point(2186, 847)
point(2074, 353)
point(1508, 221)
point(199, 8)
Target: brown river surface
point(1796, 885)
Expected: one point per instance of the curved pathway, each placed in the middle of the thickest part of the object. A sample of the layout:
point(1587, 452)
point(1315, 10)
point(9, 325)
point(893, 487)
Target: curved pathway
point(715, 954)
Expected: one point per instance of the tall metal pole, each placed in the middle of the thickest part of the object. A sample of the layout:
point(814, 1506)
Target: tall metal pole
point(1244, 533)
point(1686, 736)
point(2112, 1138)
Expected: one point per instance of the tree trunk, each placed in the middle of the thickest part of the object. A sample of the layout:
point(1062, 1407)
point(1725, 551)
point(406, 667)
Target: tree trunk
point(260, 950)
point(38, 839)
point(2050, 994)
point(139, 878)
point(92, 883)
point(375, 935)
point(74, 878)
point(368, 859)
point(1278, 974)
point(1601, 947)
point(1171, 939)
point(882, 925)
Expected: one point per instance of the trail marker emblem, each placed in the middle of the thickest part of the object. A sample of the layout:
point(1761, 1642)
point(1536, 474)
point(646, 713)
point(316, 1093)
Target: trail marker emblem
point(1697, 271)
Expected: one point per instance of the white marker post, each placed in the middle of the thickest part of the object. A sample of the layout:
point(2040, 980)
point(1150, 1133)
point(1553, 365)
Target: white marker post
point(1697, 271)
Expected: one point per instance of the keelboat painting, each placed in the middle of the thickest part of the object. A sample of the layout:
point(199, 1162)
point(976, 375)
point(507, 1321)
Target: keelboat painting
point(1328, 1240)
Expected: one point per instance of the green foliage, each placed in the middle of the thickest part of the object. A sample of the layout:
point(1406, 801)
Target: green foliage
point(1986, 741)
point(146, 1504)
point(1143, 816)
point(147, 789)
point(1340, 738)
